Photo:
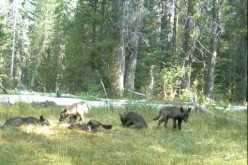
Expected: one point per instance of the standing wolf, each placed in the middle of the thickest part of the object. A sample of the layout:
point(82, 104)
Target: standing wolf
point(18, 121)
point(174, 113)
point(131, 118)
point(74, 110)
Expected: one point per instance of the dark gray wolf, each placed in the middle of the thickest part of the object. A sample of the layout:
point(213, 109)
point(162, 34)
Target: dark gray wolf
point(91, 125)
point(131, 118)
point(94, 124)
point(74, 110)
point(18, 121)
point(176, 113)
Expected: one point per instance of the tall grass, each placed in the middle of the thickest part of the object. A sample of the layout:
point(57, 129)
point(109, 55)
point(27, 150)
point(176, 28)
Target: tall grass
point(203, 140)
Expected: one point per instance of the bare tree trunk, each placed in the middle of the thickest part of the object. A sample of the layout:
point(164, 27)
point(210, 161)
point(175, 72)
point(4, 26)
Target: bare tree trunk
point(120, 67)
point(174, 34)
point(127, 32)
point(118, 70)
point(94, 8)
point(15, 12)
point(188, 45)
point(131, 68)
point(211, 66)
point(152, 80)
point(136, 16)
point(165, 25)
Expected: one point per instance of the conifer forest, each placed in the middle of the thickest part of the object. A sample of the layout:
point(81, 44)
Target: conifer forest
point(158, 49)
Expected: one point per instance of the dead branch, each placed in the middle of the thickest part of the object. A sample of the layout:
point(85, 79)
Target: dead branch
point(4, 90)
point(205, 110)
point(98, 75)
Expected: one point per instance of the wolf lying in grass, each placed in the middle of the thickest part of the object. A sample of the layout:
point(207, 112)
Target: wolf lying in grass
point(91, 125)
point(175, 113)
point(74, 110)
point(131, 118)
point(94, 124)
point(18, 121)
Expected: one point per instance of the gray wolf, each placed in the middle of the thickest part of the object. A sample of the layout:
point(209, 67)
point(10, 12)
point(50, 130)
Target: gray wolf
point(18, 121)
point(175, 113)
point(74, 110)
point(133, 119)
point(91, 125)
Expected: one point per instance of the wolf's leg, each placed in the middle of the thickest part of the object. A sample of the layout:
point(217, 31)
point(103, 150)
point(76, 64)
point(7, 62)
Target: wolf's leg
point(174, 123)
point(165, 121)
point(73, 119)
point(81, 118)
point(179, 123)
point(160, 121)
point(129, 123)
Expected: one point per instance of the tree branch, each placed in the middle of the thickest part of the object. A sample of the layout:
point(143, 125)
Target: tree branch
point(205, 110)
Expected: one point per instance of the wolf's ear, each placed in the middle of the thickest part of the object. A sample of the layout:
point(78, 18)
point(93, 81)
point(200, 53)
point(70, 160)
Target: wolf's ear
point(181, 109)
point(65, 110)
point(42, 118)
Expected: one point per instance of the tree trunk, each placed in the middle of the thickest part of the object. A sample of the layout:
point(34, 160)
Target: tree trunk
point(15, 12)
point(131, 68)
point(120, 67)
point(94, 8)
point(188, 45)
point(174, 34)
point(128, 30)
point(165, 25)
point(211, 66)
point(136, 15)
point(118, 70)
point(152, 80)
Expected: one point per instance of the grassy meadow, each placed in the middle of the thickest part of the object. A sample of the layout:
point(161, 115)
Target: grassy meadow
point(203, 140)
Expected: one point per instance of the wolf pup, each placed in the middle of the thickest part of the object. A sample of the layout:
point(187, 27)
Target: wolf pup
point(174, 113)
point(131, 118)
point(74, 110)
point(18, 121)
point(91, 125)
point(94, 124)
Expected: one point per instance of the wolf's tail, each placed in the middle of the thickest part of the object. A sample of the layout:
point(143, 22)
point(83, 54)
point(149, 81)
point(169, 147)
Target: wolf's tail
point(157, 117)
point(106, 126)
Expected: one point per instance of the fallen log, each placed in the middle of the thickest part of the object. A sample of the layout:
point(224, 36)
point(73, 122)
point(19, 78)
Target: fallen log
point(205, 110)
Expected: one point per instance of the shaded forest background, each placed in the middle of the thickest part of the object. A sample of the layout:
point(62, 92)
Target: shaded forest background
point(164, 49)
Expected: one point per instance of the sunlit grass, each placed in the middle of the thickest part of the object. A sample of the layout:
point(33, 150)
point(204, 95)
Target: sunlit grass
point(203, 140)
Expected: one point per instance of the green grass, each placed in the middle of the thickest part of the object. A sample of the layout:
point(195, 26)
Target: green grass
point(203, 140)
